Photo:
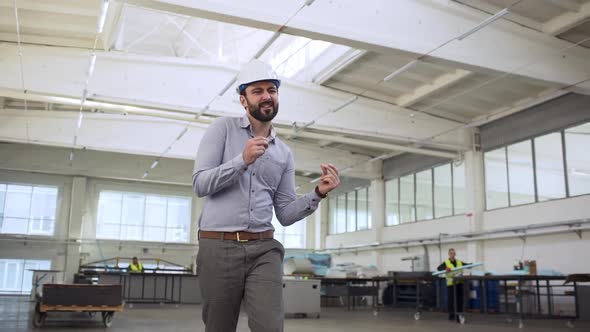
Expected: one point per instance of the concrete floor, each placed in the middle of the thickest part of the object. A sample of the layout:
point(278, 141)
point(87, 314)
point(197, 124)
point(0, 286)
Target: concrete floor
point(15, 316)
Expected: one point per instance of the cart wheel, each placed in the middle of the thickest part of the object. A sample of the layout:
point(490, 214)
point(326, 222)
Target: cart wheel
point(39, 319)
point(570, 324)
point(462, 319)
point(375, 312)
point(417, 316)
point(130, 305)
point(107, 319)
point(92, 314)
point(520, 324)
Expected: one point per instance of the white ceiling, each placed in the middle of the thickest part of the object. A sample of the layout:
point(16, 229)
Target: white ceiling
point(164, 69)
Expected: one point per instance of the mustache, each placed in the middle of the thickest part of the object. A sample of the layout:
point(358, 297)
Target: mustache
point(266, 103)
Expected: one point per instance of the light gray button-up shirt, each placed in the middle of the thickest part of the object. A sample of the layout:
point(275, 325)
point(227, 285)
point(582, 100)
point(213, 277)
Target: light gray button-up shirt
point(240, 197)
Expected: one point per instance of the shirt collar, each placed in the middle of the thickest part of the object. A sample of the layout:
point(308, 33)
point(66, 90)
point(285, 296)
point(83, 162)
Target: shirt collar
point(245, 123)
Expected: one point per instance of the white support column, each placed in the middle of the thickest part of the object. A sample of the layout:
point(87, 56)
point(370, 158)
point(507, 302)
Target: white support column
point(77, 203)
point(377, 199)
point(475, 201)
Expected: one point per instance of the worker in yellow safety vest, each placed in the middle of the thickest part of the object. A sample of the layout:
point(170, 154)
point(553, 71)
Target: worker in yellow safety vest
point(136, 266)
point(453, 286)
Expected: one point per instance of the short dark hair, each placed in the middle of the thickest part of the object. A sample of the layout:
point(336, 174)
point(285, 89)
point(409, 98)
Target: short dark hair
point(453, 249)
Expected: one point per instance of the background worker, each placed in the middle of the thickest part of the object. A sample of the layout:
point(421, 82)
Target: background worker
point(453, 286)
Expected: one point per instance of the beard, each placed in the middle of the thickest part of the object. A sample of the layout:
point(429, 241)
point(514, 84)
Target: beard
point(260, 115)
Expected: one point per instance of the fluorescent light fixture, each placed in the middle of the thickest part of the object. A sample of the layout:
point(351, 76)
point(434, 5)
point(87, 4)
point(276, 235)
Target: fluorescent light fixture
point(484, 23)
point(348, 102)
point(580, 172)
point(309, 2)
point(145, 175)
point(182, 133)
point(154, 164)
point(401, 70)
point(80, 116)
point(92, 64)
point(103, 15)
point(84, 96)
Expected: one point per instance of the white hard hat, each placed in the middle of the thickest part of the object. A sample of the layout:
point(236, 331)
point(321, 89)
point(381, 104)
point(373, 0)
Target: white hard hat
point(256, 71)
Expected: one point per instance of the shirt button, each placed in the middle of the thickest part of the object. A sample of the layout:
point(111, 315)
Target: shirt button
point(254, 174)
point(251, 209)
point(252, 190)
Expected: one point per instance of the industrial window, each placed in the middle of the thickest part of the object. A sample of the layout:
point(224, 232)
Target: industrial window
point(535, 170)
point(16, 276)
point(443, 191)
point(549, 167)
point(350, 212)
point(432, 193)
point(577, 141)
point(143, 217)
point(496, 174)
point(424, 203)
point(407, 197)
point(521, 182)
point(392, 202)
point(293, 236)
point(27, 209)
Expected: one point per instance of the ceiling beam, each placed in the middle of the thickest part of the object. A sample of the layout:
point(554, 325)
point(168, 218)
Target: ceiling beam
point(491, 9)
point(284, 132)
point(569, 5)
point(46, 40)
point(81, 8)
point(112, 26)
point(344, 61)
point(431, 24)
point(182, 86)
point(426, 90)
point(566, 21)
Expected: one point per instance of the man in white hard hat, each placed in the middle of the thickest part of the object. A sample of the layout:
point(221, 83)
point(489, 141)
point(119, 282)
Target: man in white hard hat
point(244, 171)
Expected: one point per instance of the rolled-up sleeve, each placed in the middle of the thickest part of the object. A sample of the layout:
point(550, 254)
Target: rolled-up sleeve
point(288, 207)
point(210, 174)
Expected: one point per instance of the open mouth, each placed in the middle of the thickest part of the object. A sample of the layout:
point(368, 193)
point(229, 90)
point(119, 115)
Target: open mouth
point(266, 105)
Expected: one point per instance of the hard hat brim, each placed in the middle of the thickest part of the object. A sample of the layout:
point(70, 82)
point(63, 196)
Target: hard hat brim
point(243, 87)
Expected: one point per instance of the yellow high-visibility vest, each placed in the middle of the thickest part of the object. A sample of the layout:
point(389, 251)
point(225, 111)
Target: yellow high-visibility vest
point(451, 275)
point(136, 268)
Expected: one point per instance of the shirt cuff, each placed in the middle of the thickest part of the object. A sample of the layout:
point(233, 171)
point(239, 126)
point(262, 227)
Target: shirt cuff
point(238, 164)
point(313, 200)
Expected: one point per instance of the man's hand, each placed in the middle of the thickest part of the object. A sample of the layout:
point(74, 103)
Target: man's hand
point(448, 269)
point(329, 179)
point(254, 149)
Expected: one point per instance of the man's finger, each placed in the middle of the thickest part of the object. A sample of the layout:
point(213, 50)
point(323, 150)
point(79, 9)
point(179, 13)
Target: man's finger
point(334, 169)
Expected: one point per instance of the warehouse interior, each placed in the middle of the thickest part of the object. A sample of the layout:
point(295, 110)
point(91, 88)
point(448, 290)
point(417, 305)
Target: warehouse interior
point(459, 124)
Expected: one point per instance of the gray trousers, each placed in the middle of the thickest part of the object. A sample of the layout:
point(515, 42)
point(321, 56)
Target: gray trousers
point(231, 272)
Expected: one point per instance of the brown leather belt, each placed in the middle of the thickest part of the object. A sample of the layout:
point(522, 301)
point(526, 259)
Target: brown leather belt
point(235, 236)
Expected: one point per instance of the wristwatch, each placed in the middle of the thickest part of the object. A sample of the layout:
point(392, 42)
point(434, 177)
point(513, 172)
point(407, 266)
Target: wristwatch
point(320, 195)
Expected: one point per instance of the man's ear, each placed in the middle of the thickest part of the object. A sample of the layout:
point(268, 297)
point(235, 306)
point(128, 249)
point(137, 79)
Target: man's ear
point(243, 101)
